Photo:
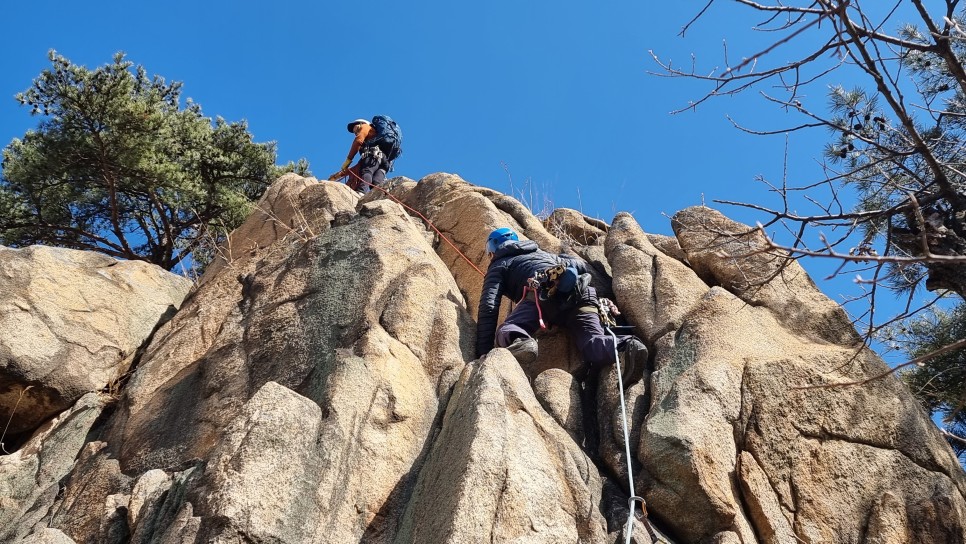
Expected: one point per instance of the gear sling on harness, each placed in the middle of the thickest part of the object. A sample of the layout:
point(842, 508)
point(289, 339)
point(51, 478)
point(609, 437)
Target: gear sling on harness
point(527, 289)
point(556, 282)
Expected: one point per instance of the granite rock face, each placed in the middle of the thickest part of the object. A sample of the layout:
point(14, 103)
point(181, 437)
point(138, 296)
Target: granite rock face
point(70, 323)
point(319, 385)
point(744, 439)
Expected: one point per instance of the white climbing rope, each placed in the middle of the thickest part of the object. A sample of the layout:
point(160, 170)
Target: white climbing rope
point(656, 536)
point(627, 445)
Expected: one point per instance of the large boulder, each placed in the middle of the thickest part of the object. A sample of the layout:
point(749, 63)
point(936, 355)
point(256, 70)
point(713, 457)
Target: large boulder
point(737, 257)
point(502, 470)
point(768, 419)
point(70, 323)
point(465, 214)
point(575, 228)
point(264, 474)
point(293, 208)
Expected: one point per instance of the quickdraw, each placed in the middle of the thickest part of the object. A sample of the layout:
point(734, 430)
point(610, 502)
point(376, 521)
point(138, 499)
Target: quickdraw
point(606, 309)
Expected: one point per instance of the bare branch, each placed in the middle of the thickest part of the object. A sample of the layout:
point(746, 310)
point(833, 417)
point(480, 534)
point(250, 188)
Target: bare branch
point(772, 47)
point(948, 434)
point(918, 361)
point(695, 18)
point(926, 258)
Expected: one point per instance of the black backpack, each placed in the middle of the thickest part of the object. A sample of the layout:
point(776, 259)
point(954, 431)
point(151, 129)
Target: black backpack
point(388, 137)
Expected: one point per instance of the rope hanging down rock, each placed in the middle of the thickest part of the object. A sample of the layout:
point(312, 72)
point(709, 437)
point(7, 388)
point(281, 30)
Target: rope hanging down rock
point(423, 217)
point(656, 536)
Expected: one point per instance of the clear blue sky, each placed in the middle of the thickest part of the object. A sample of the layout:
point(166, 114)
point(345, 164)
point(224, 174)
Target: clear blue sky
point(558, 92)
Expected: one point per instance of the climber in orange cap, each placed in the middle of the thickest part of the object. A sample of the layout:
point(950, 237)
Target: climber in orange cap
point(378, 143)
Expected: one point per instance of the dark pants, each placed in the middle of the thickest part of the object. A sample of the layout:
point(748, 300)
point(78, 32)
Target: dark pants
point(596, 346)
point(372, 169)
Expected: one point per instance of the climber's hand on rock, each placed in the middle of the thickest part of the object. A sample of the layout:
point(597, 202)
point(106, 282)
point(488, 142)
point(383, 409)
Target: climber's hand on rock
point(609, 305)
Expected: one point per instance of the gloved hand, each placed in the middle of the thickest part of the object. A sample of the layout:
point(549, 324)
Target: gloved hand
point(336, 176)
point(346, 164)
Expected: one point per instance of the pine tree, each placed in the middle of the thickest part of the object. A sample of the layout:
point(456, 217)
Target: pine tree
point(116, 165)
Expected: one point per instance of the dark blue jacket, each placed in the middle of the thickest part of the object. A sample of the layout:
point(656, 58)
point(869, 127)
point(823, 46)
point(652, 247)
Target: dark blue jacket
point(511, 267)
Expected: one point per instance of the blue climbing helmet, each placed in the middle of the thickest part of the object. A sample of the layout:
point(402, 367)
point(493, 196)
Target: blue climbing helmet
point(499, 237)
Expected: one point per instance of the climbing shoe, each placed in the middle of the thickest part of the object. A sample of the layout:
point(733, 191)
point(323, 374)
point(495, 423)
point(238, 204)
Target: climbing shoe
point(633, 358)
point(524, 349)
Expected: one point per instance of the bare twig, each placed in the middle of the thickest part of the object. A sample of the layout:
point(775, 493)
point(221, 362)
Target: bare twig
point(918, 361)
point(950, 435)
point(829, 253)
point(9, 419)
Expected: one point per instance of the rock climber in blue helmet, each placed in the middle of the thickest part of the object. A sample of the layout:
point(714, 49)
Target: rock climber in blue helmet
point(574, 307)
point(498, 237)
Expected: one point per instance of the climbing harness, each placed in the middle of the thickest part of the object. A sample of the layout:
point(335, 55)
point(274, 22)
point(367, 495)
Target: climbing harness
point(547, 284)
point(423, 217)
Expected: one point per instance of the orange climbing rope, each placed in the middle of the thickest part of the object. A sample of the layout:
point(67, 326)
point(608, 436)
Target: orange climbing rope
point(424, 218)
